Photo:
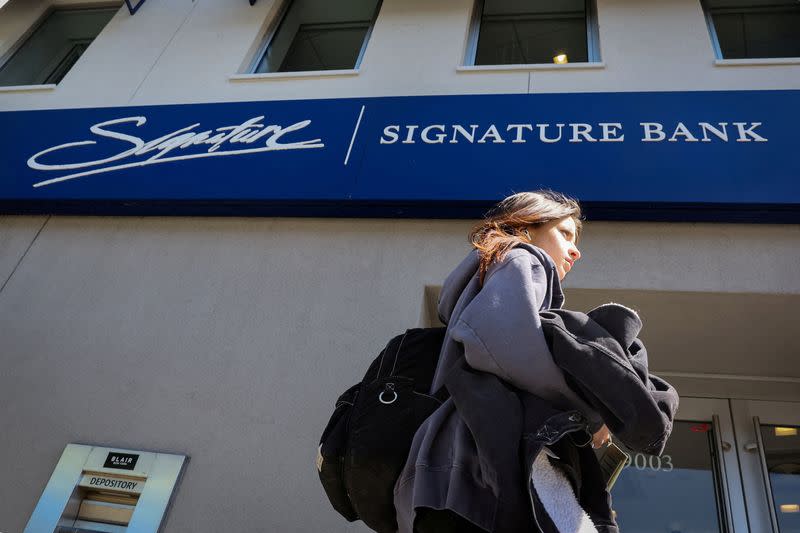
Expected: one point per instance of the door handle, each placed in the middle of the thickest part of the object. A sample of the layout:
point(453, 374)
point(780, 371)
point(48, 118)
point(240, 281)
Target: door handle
point(720, 446)
point(758, 446)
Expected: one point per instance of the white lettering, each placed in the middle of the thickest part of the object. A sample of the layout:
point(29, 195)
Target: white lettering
point(493, 133)
point(651, 129)
point(610, 132)
point(252, 137)
point(246, 133)
point(684, 132)
point(169, 142)
point(410, 137)
point(98, 130)
point(280, 131)
point(720, 133)
point(439, 137)
point(390, 134)
point(547, 133)
point(543, 135)
point(469, 136)
point(744, 133)
point(581, 130)
point(519, 128)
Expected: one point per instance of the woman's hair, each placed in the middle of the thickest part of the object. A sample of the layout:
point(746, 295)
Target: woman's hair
point(505, 225)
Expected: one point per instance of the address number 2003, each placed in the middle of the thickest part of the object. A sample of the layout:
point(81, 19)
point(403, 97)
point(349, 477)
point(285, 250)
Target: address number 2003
point(660, 464)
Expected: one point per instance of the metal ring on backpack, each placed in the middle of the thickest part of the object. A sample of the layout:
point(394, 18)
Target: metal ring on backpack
point(380, 397)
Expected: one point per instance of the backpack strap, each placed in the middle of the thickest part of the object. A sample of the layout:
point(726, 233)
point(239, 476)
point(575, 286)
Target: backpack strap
point(390, 356)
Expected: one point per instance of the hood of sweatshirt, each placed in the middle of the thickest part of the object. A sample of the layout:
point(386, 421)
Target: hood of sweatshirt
point(466, 275)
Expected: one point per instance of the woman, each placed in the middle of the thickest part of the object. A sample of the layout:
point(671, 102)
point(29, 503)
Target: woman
point(491, 302)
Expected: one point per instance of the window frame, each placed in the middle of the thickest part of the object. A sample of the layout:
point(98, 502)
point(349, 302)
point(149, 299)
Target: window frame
point(37, 24)
point(592, 37)
point(275, 25)
point(712, 31)
point(57, 64)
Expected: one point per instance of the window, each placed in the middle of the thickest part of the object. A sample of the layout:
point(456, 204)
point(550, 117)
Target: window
point(648, 490)
point(55, 46)
point(319, 35)
point(508, 32)
point(755, 28)
point(781, 448)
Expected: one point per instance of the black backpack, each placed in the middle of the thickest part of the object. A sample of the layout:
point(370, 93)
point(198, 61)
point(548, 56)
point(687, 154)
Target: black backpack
point(366, 442)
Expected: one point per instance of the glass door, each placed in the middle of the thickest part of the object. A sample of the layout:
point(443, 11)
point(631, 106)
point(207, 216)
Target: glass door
point(694, 486)
point(769, 453)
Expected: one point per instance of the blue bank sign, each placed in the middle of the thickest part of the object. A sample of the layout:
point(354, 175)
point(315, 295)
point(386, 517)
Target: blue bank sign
point(693, 156)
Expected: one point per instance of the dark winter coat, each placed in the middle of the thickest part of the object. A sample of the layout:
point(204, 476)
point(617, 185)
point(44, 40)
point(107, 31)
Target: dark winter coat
point(511, 427)
point(606, 363)
point(474, 455)
point(494, 328)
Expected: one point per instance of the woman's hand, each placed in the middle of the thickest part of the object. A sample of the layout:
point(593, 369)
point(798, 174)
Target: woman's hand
point(601, 437)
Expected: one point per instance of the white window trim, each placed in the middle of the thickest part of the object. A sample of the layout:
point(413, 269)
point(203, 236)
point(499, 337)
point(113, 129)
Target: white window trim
point(22, 39)
point(757, 62)
point(592, 44)
point(269, 35)
point(266, 40)
point(293, 75)
point(27, 88)
point(712, 31)
point(530, 67)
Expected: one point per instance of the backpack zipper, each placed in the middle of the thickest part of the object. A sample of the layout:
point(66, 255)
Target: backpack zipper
point(388, 387)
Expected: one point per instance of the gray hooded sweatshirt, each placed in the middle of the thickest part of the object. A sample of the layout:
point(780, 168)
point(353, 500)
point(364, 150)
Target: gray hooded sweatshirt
point(497, 329)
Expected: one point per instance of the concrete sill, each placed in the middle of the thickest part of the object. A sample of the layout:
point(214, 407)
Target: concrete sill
point(293, 75)
point(757, 62)
point(27, 88)
point(536, 66)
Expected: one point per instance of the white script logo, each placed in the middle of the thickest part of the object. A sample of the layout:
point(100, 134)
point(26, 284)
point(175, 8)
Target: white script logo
point(142, 153)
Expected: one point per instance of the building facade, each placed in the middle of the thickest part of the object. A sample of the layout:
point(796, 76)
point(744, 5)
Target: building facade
point(156, 297)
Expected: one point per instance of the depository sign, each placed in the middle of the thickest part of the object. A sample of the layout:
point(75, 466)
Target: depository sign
point(703, 150)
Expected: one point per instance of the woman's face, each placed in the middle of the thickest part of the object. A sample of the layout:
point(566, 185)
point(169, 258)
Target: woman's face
point(557, 238)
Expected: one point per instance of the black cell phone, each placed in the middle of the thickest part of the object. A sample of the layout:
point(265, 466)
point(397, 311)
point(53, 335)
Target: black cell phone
point(612, 460)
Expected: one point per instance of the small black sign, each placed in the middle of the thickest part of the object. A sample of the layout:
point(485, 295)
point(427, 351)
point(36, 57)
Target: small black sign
point(122, 461)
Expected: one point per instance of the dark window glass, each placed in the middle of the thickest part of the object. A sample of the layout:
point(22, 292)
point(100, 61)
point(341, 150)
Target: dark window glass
point(677, 492)
point(55, 46)
point(314, 35)
point(325, 47)
point(533, 31)
point(757, 29)
point(782, 454)
point(70, 59)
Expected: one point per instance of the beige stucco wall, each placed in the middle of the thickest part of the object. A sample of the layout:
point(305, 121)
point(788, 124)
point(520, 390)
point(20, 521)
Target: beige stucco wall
point(176, 51)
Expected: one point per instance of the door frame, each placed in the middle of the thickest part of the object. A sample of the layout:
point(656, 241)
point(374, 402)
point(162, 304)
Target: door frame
point(728, 476)
point(750, 452)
